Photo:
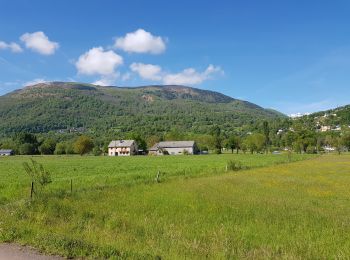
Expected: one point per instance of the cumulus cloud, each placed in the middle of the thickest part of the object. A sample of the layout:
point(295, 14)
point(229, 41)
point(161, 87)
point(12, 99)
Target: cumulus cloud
point(97, 61)
point(188, 76)
point(141, 41)
point(39, 42)
point(147, 71)
point(14, 47)
point(34, 82)
point(107, 80)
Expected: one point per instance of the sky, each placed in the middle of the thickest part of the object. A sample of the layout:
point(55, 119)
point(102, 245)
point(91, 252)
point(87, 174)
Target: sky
point(290, 55)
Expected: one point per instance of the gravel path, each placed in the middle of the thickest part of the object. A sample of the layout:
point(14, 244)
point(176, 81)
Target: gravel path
point(17, 252)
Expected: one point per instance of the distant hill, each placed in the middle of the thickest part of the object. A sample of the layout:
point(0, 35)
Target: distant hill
point(148, 109)
point(333, 117)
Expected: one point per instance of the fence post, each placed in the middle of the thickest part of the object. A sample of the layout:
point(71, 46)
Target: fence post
point(32, 190)
point(71, 186)
point(157, 177)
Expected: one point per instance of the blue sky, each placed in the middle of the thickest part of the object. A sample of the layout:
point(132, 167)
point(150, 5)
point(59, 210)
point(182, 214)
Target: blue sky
point(291, 55)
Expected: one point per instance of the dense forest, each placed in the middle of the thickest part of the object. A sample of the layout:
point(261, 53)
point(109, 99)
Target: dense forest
point(51, 118)
point(100, 110)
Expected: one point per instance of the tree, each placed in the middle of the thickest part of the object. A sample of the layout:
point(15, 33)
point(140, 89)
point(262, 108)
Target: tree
point(255, 142)
point(60, 148)
point(40, 177)
point(233, 143)
point(346, 139)
point(266, 130)
point(216, 133)
point(152, 140)
point(48, 146)
point(83, 145)
point(27, 149)
point(141, 142)
point(27, 143)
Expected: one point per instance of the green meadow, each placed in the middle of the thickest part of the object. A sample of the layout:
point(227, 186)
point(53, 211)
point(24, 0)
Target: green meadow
point(271, 209)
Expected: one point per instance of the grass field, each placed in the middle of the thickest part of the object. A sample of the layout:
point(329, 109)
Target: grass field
point(299, 210)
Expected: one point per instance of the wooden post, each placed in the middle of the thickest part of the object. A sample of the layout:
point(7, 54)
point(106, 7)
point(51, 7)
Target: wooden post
point(158, 176)
point(226, 168)
point(289, 156)
point(32, 190)
point(71, 186)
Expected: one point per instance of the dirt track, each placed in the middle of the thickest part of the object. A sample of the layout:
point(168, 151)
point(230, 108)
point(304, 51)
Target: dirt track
point(17, 252)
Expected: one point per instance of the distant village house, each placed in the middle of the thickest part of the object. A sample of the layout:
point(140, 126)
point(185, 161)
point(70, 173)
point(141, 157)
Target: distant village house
point(122, 148)
point(174, 148)
point(6, 152)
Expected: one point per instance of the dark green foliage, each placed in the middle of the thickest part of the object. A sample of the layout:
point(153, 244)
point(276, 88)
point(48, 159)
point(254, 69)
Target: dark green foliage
point(216, 133)
point(233, 142)
point(48, 146)
point(113, 111)
point(83, 145)
point(25, 143)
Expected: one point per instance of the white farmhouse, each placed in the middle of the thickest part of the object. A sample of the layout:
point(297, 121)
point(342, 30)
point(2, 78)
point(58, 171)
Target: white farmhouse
point(174, 148)
point(122, 148)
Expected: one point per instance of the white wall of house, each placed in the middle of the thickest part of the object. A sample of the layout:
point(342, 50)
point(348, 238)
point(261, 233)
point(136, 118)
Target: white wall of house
point(179, 150)
point(122, 151)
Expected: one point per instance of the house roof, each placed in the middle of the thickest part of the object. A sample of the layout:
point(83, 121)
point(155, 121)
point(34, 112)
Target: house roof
point(172, 144)
point(121, 143)
point(6, 151)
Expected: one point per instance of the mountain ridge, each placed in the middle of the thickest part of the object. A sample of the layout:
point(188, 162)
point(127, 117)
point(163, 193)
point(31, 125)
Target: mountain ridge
point(154, 108)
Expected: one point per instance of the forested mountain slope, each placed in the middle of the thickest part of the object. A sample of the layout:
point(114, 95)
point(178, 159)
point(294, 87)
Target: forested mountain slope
point(148, 110)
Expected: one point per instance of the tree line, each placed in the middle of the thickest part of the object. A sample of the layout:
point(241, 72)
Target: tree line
point(264, 138)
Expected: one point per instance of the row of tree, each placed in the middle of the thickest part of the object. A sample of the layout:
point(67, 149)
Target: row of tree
point(264, 138)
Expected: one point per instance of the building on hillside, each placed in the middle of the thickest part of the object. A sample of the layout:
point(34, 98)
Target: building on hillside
point(6, 152)
point(337, 128)
point(325, 128)
point(174, 148)
point(280, 131)
point(328, 148)
point(122, 148)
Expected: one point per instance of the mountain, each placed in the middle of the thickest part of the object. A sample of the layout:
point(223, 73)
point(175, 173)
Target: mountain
point(148, 109)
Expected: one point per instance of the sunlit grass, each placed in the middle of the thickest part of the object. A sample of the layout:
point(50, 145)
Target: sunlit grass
point(295, 211)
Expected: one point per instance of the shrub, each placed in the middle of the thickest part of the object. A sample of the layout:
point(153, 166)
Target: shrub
point(37, 173)
point(233, 165)
point(83, 145)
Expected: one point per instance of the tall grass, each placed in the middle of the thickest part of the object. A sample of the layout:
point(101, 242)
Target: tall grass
point(292, 211)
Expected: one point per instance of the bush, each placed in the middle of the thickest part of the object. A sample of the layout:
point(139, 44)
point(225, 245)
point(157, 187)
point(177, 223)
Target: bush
point(311, 149)
point(185, 152)
point(83, 145)
point(233, 165)
point(37, 173)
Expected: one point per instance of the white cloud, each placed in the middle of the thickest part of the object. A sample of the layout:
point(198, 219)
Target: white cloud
point(188, 76)
point(97, 61)
point(108, 80)
point(147, 71)
point(141, 41)
point(39, 42)
point(14, 47)
point(34, 82)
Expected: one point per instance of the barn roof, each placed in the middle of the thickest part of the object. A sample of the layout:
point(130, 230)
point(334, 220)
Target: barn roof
point(6, 151)
point(172, 144)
